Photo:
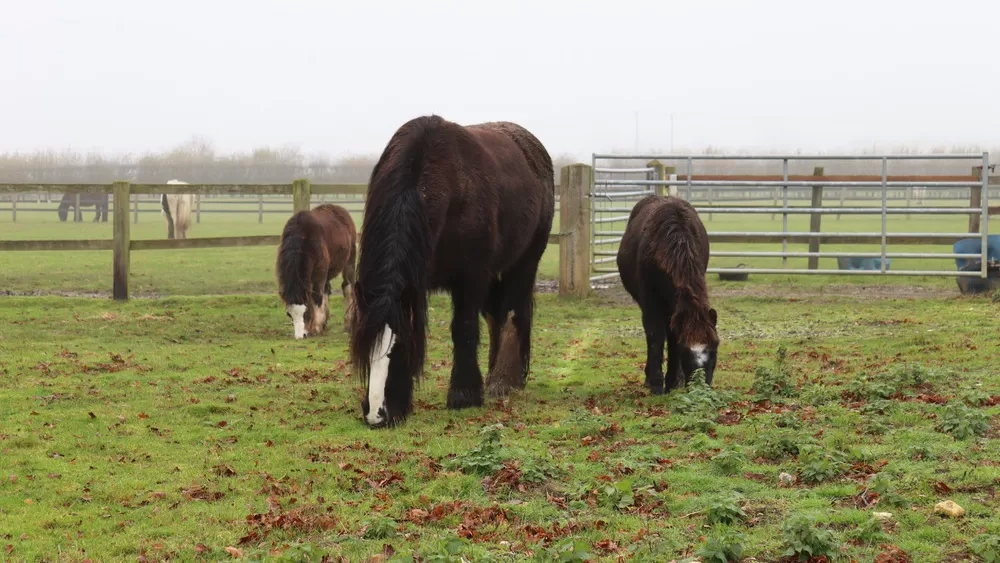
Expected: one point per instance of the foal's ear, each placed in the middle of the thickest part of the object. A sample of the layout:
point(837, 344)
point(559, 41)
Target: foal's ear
point(713, 316)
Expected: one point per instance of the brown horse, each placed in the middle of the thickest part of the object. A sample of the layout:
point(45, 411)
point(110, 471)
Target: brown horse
point(316, 246)
point(467, 210)
point(662, 261)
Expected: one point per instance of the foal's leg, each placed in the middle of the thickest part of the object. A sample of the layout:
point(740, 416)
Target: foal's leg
point(466, 386)
point(674, 352)
point(349, 278)
point(654, 326)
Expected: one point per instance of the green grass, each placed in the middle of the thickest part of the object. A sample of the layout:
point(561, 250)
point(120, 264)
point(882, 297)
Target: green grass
point(179, 427)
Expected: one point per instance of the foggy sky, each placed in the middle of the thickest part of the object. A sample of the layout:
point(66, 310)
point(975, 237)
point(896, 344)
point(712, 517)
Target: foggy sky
point(340, 76)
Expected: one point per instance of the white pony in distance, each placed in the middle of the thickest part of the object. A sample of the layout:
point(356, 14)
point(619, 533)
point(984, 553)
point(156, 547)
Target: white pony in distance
point(176, 208)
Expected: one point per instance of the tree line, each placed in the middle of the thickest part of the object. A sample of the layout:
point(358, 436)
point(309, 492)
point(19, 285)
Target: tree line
point(196, 161)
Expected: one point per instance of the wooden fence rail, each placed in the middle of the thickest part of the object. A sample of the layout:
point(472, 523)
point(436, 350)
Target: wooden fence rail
point(122, 245)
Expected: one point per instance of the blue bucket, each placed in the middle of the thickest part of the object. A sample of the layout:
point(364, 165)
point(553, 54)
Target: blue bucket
point(975, 246)
point(871, 264)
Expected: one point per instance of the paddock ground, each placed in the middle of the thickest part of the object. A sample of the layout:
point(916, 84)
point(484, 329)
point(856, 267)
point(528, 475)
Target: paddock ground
point(188, 425)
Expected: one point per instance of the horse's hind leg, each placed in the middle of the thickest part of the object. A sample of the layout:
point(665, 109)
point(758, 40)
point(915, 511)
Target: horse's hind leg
point(513, 357)
point(494, 314)
point(466, 386)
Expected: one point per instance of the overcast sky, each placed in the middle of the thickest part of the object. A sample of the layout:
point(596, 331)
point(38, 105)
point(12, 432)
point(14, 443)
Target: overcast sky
point(340, 76)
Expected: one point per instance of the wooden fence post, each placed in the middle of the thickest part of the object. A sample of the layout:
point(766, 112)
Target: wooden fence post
point(197, 208)
point(122, 240)
point(975, 199)
point(659, 174)
point(301, 195)
point(574, 220)
point(815, 219)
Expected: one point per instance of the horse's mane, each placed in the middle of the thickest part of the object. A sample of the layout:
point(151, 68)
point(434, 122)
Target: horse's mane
point(299, 241)
point(678, 246)
point(395, 244)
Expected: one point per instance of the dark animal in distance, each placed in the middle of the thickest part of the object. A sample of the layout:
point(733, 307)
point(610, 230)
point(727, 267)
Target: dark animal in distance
point(662, 260)
point(316, 246)
point(466, 210)
point(99, 201)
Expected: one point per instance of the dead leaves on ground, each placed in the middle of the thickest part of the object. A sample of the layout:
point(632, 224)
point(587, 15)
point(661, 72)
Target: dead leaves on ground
point(304, 518)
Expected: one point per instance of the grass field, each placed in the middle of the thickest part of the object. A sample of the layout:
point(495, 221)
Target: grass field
point(192, 427)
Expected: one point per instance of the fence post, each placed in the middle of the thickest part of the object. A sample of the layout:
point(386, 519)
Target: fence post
point(975, 199)
point(659, 174)
point(122, 240)
point(815, 220)
point(301, 195)
point(574, 220)
point(197, 208)
point(135, 208)
point(77, 212)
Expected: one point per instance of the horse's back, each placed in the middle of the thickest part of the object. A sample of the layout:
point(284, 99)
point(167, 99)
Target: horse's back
point(516, 179)
point(658, 228)
point(339, 233)
point(531, 149)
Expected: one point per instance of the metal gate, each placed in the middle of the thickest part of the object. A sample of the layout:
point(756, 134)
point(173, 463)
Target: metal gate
point(613, 195)
point(615, 191)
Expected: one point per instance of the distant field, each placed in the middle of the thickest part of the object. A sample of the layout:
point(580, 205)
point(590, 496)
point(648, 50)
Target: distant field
point(249, 270)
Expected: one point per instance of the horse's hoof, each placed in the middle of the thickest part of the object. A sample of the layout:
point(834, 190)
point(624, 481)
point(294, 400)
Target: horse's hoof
point(656, 390)
point(498, 391)
point(464, 398)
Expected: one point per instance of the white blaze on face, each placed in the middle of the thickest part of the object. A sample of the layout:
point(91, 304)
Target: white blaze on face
point(378, 376)
point(700, 356)
point(298, 314)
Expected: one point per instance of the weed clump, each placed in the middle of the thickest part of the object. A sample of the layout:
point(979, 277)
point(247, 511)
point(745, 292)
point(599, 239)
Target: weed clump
point(725, 510)
point(804, 540)
point(724, 548)
point(770, 384)
point(963, 422)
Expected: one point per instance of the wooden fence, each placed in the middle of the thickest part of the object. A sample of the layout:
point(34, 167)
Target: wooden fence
point(121, 244)
point(574, 209)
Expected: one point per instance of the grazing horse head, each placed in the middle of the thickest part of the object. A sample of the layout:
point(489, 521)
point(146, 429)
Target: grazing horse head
point(700, 342)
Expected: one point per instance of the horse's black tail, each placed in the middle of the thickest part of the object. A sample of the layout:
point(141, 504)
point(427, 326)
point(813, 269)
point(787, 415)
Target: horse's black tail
point(391, 287)
point(298, 241)
point(165, 205)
